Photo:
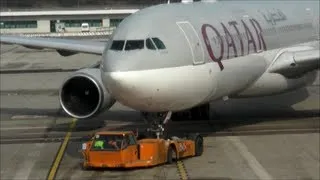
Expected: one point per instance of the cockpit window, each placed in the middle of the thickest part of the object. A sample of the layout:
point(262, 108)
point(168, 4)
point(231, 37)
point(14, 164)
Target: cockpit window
point(134, 44)
point(159, 43)
point(117, 45)
point(150, 44)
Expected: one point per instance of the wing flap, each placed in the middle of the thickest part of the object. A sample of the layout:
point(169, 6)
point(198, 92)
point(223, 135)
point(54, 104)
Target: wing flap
point(296, 63)
point(63, 45)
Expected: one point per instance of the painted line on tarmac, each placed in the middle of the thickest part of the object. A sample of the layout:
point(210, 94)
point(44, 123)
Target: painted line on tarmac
point(109, 127)
point(37, 140)
point(22, 71)
point(258, 169)
point(22, 128)
point(18, 117)
point(182, 170)
point(59, 156)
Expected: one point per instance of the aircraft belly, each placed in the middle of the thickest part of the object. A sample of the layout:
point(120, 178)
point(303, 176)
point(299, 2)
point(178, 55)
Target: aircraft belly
point(273, 84)
point(237, 75)
point(175, 88)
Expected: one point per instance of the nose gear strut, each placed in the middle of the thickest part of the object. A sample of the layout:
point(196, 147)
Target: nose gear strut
point(157, 122)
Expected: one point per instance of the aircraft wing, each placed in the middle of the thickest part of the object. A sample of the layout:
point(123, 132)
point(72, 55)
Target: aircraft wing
point(65, 47)
point(297, 61)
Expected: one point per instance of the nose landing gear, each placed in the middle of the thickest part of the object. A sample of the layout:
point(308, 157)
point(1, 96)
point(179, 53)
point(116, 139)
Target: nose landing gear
point(158, 121)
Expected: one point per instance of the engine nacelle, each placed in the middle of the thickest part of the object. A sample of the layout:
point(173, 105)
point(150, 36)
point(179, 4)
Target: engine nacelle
point(83, 95)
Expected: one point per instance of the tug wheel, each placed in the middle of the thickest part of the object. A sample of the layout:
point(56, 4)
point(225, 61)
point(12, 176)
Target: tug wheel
point(198, 142)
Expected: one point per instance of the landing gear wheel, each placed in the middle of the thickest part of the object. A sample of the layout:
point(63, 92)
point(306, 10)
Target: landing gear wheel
point(198, 141)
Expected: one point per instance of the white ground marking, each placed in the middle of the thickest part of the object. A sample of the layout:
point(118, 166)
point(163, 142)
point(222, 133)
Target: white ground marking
point(252, 161)
point(26, 167)
point(28, 117)
point(14, 155)
point(24, 170)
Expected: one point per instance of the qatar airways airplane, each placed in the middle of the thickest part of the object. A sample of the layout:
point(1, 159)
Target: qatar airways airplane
point(177, 57)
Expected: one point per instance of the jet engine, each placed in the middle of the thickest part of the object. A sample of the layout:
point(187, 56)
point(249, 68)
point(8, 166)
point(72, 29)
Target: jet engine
point(83, 95)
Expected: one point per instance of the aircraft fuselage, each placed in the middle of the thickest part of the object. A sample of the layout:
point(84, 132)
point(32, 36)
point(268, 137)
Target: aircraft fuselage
point(173, 57)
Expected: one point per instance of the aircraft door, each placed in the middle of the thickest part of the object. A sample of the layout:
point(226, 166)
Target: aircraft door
point(193, 40)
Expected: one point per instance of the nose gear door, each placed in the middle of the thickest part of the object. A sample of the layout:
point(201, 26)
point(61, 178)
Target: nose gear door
point(193, 40)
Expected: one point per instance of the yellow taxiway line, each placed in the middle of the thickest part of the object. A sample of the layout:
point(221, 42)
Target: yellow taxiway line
point(182, 171)
point(56, 163)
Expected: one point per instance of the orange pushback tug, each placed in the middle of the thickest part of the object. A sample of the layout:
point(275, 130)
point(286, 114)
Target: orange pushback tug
point(112, 149)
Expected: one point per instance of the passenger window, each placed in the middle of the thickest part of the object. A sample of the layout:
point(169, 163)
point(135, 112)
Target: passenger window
point(117, 45)
point(149, 44)
point(158, 43)
point(134, 44)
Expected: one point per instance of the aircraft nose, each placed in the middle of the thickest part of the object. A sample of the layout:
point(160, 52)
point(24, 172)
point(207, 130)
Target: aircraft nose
point(123, 87)
point(159, 89)
point(111, 64)
point(156, 90)
point(121, 62)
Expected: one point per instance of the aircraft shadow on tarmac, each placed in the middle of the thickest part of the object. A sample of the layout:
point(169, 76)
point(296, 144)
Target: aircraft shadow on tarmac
point(277, 106)
point(252, 110)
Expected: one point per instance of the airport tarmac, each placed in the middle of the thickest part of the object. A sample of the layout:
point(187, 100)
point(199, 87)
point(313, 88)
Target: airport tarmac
point(262, 138)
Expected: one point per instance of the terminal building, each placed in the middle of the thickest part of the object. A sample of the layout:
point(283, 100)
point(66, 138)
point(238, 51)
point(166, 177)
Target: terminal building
point(62, 20)
point(67, 16)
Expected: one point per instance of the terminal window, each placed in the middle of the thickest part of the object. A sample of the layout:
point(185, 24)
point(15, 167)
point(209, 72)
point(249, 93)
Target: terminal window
point(115, 22)
point(77, 23)
point(18, 24)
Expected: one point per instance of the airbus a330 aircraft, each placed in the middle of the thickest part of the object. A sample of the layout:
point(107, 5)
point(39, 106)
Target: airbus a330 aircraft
point(180, 57)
